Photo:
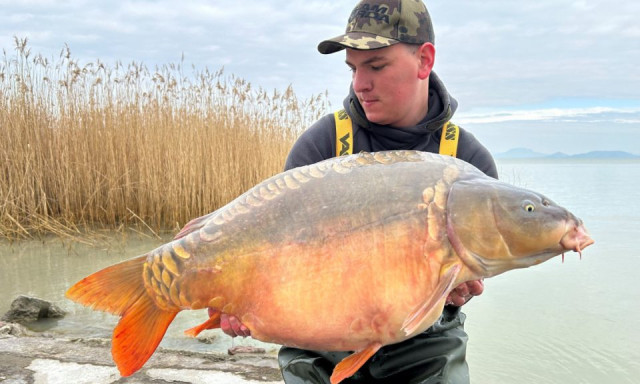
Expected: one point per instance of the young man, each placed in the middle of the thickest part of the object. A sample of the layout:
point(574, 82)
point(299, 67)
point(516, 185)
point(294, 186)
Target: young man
point(395, 102)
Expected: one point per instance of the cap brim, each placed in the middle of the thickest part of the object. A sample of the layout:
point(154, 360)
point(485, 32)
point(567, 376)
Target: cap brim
point(355, 40)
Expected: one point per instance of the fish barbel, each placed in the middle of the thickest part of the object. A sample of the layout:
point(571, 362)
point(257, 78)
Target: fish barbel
point(349, 254)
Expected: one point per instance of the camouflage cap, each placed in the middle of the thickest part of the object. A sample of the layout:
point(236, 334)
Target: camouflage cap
point(378, 23)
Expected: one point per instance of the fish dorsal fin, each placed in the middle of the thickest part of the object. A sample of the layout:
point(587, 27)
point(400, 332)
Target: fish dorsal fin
point(350, 364)
point(417, 317)
point(194, 225)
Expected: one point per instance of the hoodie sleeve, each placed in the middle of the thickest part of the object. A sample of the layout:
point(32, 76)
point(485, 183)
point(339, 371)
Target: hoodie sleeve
point(474, 153)
point(315, 144)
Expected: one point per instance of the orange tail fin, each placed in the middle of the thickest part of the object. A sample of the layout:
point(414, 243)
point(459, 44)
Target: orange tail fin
point(119, 289)
point(138, 334)
point(113, 289)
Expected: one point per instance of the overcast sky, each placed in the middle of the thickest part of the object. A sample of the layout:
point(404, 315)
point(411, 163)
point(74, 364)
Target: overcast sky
point(550, 75)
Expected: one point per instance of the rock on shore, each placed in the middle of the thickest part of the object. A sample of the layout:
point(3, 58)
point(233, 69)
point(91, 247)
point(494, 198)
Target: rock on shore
point(37, 359)
point(26, 309)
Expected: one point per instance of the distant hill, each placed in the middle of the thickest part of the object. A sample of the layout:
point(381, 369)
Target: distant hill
point(519, 153)
point(607, 154)
point(526, 153)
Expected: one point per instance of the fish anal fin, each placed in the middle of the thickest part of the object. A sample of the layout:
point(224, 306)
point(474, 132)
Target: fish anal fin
point(212, 322)
point(428, 309)
point(350, 364)
point(138, 334)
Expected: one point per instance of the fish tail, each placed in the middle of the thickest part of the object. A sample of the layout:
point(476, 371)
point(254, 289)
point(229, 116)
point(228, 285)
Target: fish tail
point(113, 289)
point(119, 289)
point(138, 334)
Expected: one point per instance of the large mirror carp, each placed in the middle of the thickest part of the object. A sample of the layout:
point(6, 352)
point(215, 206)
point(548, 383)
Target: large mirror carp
point(348, 254)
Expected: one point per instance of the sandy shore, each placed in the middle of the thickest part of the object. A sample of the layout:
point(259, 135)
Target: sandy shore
point(42, 359)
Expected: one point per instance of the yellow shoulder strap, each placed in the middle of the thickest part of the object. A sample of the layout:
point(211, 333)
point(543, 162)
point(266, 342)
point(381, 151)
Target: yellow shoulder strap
point(344, 136)
point(449, 140)
point(344, 133)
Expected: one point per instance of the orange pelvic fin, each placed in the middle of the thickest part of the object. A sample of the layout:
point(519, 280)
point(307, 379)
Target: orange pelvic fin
point(212, 322)
point(350, 364)
point(427, 310)
point(119, 289)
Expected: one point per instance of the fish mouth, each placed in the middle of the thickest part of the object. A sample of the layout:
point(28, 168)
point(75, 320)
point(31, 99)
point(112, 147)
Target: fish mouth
point(576, 238)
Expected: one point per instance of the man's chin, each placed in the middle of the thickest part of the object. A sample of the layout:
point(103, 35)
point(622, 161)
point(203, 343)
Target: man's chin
point(375, 116)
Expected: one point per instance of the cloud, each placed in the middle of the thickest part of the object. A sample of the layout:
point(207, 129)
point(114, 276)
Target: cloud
point(551, 74)
point(513, 53)
point(494, 55)
point(586, 115)
point(548, 130)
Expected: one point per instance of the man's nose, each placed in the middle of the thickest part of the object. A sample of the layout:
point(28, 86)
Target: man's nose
point(361, 81)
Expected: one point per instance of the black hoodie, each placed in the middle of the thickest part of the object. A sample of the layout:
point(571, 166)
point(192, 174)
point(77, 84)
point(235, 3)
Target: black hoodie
point(438, 353)
point(318, 142)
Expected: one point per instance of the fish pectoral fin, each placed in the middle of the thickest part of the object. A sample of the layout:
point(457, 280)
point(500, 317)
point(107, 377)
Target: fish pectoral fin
point(212, 322)
point(445, 284)
point(350, 364)
point(138, 334)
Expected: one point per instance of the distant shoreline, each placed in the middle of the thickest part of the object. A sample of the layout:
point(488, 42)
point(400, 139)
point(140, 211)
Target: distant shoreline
point(568, 160)
point(528, 154)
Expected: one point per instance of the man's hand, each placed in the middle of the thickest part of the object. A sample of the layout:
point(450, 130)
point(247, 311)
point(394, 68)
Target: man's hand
point(464, 292)
point(232, 326)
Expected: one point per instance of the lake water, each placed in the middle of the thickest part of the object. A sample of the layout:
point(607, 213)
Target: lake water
point(572, 322)
point(568, 323)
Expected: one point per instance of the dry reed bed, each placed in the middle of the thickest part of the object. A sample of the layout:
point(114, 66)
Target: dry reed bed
point(115, 146)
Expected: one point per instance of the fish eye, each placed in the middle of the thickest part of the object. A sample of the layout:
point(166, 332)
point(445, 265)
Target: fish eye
point(528, 206)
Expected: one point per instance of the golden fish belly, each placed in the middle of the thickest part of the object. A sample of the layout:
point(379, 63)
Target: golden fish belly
point(338, 293)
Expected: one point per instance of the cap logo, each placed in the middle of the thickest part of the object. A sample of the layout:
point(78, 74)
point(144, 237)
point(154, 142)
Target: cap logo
point(376, 12)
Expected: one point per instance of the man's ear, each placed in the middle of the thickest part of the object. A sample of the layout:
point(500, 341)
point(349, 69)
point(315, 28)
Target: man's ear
point(427, 56)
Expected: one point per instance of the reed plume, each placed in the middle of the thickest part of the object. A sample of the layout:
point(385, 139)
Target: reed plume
point(119, 146)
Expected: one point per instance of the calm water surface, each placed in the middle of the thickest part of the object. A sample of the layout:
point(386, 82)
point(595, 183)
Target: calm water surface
point(46, 269)
point(571, 322)
point(567, 323)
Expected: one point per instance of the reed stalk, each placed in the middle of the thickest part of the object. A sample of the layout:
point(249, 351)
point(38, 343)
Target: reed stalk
point(119, 146)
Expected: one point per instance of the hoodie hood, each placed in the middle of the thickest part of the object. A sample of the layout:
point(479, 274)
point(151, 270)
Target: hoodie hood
point(442, 106)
